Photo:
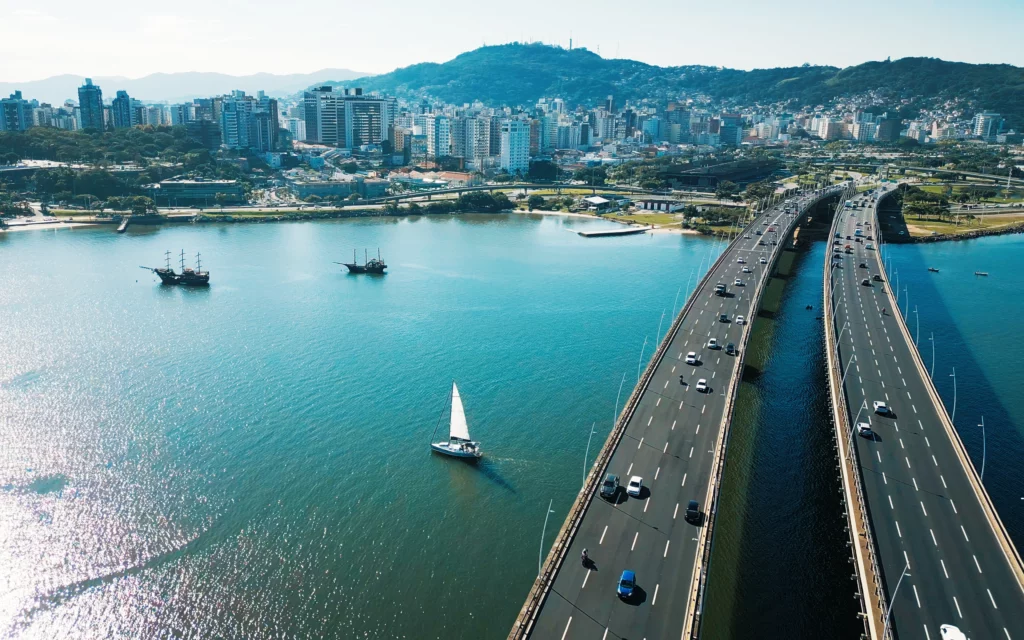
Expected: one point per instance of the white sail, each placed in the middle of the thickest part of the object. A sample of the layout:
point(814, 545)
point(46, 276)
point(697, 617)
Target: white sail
point(458, 427)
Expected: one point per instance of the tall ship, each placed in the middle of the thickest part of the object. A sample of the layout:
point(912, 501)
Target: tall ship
point(188, 277)
point(372, 265)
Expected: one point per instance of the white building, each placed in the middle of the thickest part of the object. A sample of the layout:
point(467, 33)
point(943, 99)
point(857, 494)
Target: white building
point(986, 125)
point(863, 131)
point(515, 146)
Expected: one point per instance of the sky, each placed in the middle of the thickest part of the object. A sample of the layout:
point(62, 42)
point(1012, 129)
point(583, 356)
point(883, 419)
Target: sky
point(133, 39)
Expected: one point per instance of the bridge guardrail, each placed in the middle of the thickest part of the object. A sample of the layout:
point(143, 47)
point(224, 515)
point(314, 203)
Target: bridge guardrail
point(852, 485)
point(1002, 536)
point(542, 585)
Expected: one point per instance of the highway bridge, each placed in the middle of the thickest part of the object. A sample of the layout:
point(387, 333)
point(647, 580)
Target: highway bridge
point(930, 547)
point(674, 436)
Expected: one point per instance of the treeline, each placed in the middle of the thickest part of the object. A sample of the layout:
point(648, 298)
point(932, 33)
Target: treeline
point(135, 144)
point(471, 202)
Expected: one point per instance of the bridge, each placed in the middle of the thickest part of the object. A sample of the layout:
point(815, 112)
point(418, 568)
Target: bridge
point(674, 436)
point(930, 548)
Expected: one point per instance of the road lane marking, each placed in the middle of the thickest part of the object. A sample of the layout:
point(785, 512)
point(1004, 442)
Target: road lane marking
point(943, 482)
point(654, 601)
point(665, 555)
point(649, 420)
point(879, 454)
point(900, 533)
point(991, 598)
point(666, 385)
point(564, 633)
point(684, 477)
point(680, 405)
point(944, 568)
point(664, 450)
point(904, 457)
point(934, 460)
point(926, 441)
point(924, 510)
point(965, 533)
point(890, 504)
point(976, 563)
point(901, 444)
point(658, 402)
point(960, 613)
point(635, 536)
point(954, 506)
point(691, 452)
point(601, 541)
point(647, 503)
point(702, 409)
point(886, 481)
point(917, 598)
point(676, 512)
point(697, 431)
point(658, 470)
point(585, 578)
point(915, 484)
point(629, 469)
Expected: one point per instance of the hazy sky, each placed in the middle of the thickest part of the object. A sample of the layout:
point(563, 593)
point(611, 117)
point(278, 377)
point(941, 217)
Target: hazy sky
point(132, 39)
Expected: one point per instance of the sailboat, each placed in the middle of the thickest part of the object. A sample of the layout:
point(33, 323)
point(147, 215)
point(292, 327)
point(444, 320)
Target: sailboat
point(459, 443)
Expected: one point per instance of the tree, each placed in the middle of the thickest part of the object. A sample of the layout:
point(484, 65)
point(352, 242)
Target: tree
point(725, 189)
point(535, 201)
point(141, 205)
point(353, 197)
point(221, 198)
point(759, 191)
point(543, 170)
point(350, 167)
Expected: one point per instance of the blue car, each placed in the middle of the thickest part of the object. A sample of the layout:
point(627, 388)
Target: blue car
point(627, 583)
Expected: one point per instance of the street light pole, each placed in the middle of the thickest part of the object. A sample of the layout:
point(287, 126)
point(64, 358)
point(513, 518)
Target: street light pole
point(638, 364)
point(853, 426)
point(540, 554)
point(888, 615)
point(848, 363)
point(917, 318)
point(906, 299)
point(676, 301)
point(952, 418)
point(983, 448)
point(586, 456)
point(615, 414)
point(897, 286)
point(931, 370)
point(658, 335)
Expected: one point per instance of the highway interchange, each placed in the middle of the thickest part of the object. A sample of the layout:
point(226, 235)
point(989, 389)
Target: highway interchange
point(924, 512)
point(669, 441)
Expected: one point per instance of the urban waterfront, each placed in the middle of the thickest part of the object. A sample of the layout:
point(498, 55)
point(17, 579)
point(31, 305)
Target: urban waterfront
point(251, 460)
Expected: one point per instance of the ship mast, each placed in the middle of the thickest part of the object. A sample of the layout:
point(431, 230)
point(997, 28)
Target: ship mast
point(199, 265)
point(167, 257)
point(183, 261)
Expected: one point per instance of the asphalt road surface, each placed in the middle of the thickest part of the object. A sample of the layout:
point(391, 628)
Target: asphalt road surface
point(669, 443)
point(923, 510)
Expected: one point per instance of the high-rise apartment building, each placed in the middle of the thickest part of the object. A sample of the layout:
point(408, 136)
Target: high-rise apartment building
point(986, 125)
point(90, 106)
point(121, 111)
point(15, 113)
point(888, 130)
point(515, 146)
point(347, 118)
point(180, 114)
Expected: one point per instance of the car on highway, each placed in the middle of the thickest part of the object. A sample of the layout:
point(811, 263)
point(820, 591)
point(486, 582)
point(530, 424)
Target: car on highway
point(747, 236)
point(702, 386)
point(771, 229)
point(691, 358)
point(740, 320)
point(627, 583)
point(761, 243)
point(863, 265)
point(881, 408)
point(864, 429)
point(763, 261)
point(740, 261)
point(869, 246)
point(737, 283)
point(720, 289)
point(610, 486)
point(866, 282)
point(747, 270)
point(730, 349)
point(636, 484)
point(724, 317)
point(876, 278)
point(712, 343)
point(693, 511)
point(951, 632)
point(759, 232)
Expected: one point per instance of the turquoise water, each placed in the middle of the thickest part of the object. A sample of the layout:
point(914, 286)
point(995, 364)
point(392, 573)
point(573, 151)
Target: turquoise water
point(976, 322)
point(251, 460)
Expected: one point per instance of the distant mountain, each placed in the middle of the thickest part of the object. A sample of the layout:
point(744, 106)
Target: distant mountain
point(519, 74)
point(174, 87)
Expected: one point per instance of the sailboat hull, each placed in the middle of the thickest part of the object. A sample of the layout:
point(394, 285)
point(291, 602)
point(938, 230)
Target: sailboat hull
point(469, 450)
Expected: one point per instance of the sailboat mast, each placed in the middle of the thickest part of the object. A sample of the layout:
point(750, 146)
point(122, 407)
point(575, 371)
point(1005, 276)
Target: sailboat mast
point(167, 259)
point(447, 404)
point(183, 261)
point(199, 265)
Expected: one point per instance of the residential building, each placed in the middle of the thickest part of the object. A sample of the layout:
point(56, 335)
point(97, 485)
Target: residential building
point(90, 106)
point(863, 131)
point(986, 125)
point(153, 115)
point(205, 132)
point(121, 111)
point(180, 114)
point(515, 146)
point(888, 130)
point(296, 127)
point(439, 136)
point(235, 120)
point(347, 118)
point(15, 113)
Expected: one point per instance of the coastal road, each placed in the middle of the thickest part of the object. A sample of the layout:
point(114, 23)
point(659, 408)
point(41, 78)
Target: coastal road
point(923, 509)
point(669, 441)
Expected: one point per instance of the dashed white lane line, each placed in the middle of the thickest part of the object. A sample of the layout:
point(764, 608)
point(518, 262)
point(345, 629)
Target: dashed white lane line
point(635, 536)
point(944, 568)
point(666, 385)
point(684, 476)
point(958, 611)
point(658, 402)
point(680, 405)
point(976, 563)
point(641, 443)
point(697, 431)
point(673, 425)
point(691, 454)
point(916, 597)
point(914, 480)
point(898, 532)
point(566, 632)
point(702, 409)
point(934, 460)
point(629, 469)
point(952, 504)
point(654, 600)
point(601, 541)
point(933, 537)
point(965, 533)
point(943, 482)
point(890, 504)
point(663, 450)
point(665, 555)
point(676, 512)
point(585, 578)
point(908, 461)
point(647, 503)
point(991, 598)
point(925, 511)
point(657, 471)
point(649, 420)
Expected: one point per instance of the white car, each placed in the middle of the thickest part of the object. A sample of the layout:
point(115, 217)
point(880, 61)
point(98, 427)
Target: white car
point(881, 408)
point(691, 358)
point(764, 261)
point(864, 429)
point(746, 270)
point(740, 261)
point(702, 386)
point(712, 343)
point(740, 320)
point(950, 632)
point(636, 483)
point(738, 283)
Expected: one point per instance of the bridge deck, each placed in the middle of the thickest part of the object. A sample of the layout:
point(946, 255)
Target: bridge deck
point(669, 439)
point(924, 508)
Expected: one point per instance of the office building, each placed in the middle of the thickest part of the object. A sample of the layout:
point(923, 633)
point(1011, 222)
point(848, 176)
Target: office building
point(987, 125)
point(15, 113)
point(205, 132)
point(296, 128)
point(90, 106)
point(515, 146)
point(863, 131)
point(347, 118)
point(199, 191)
point(180, 114)
point(887, 130)
point(121, 111)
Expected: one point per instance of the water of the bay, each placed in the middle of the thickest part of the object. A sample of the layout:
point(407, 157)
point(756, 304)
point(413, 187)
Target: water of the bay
point(779, 565)
point(976, 324)
point(251, 460)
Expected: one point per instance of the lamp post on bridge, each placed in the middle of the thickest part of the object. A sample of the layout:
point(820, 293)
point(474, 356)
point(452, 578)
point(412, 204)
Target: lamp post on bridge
point(888, 614)
point(638, 364)
point(615, 414)
point(853, 426)
point(931, 371)
point(917, 318)
point(540, 554)
point(984, 449)
point(586, 456)
point(952, 418)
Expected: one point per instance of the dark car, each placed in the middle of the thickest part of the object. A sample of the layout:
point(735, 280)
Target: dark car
point(866, 282)
point(730, 349)
point(863, 265)
point(627, 583)
point(610, 486)
point(876, 278)
point(723, 317)
point(693, 511)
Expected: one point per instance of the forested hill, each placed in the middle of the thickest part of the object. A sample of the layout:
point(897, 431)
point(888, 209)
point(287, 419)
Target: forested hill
point(516, 74)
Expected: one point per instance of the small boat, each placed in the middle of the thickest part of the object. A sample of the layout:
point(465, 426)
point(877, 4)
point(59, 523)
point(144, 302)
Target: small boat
point(933, 269)
point(459, 444)
point(981, 273)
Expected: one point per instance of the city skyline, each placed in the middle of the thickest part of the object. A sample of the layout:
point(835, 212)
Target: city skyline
point(177, 41)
